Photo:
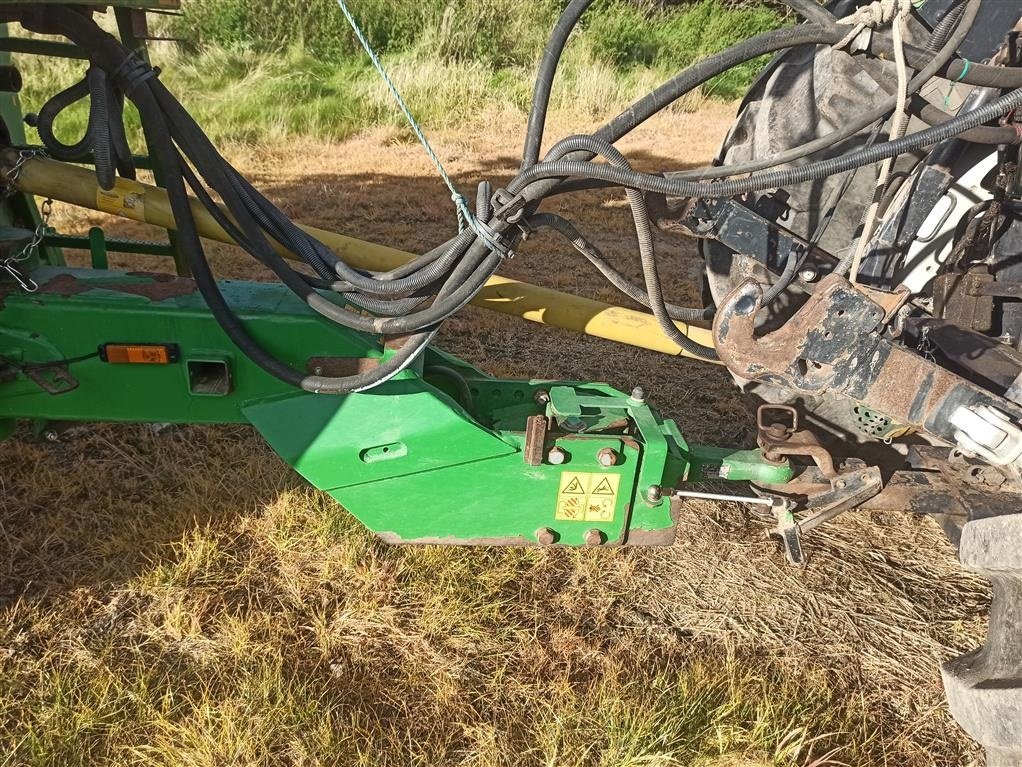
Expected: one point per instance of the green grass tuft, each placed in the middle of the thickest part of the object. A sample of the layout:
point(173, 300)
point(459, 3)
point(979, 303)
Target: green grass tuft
point(253, 72)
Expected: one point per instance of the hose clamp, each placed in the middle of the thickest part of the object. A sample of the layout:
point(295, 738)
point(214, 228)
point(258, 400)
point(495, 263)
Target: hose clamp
point(509, 207)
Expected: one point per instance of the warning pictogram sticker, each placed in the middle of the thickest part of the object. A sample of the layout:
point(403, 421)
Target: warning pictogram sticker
point(575, 487)
point(586, 497)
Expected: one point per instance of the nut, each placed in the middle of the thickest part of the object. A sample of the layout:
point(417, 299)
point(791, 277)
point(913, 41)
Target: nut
point(607, 457)
point(593, 537)
point(541, 396)
point(545, 536)
point(557, 456)
point(638, 395)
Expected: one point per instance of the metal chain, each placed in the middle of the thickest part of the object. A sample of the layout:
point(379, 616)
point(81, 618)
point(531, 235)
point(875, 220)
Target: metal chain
point(11, 175)
point(10, 264)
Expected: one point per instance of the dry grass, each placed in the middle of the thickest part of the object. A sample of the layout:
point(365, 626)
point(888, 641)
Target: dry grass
point(184, 599)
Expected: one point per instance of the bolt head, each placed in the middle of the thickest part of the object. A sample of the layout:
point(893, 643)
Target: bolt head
point(52, 436)
point(607, 457)
point(654, 493)
point(593, 538)
point(808, 274)
point(545, 536)
point(638, 394)
point(557, 456)
point(541, 396)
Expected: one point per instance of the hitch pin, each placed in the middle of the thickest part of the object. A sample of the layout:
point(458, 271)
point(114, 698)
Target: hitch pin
point(27, 283)
point(753, 500)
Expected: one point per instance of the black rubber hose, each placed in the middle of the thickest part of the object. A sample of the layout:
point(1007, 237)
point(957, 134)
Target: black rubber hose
point(545, 79)
point(881, 46)
point(566, 23)
point(203, 155)
point(881, 112)
point(811, 11)
point(111, 54)
point(644, 237)
point(774, 179)
point(702, 71)
point(98, 133)
point(984, 134)
point(269, 218)
point(694, 76)
point(616, 278)
point(48, 115)
point(462, 279)
point(944, 28)
point(104, 141)
point(119, 139)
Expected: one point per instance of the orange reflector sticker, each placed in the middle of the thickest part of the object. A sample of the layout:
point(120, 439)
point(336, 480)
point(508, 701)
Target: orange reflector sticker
point(139, 354)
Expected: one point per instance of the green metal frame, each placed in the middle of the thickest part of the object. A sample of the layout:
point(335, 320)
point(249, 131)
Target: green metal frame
point(408, 459)
point(438, 454)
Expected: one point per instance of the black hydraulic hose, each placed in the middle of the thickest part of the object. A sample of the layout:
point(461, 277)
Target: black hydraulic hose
point(47, 117)
point(702, 71)
point(984, 134)
point(118, 138)
point(462, 279)
point(104, 140)
point(545, 79)
point(943, 29)
point(774, 179)
point(98, 134)
point(694, 76)
point(270, 219)
point(566, 23)
point(111, 54)
point(644, 237)
point(469, 275)
point(880, 112)
point(584, 246)
point(958, 70)
point(811, 11)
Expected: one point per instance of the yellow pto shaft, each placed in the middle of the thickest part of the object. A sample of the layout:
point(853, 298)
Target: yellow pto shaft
point(141, 202)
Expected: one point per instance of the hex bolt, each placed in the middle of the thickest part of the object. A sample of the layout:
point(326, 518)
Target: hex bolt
point(654, 493)
point(52, 435)
point(593, 537)
point(545, 536)
point(638, 394)
point(808, 274)
point(607, 457)
point(557, 456)
point(541, 396)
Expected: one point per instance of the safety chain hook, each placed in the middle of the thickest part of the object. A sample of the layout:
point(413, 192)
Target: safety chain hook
point(10, 264)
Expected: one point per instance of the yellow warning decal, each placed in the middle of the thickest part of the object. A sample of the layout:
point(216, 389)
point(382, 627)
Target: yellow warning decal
point(127, 198)
point(585, 497)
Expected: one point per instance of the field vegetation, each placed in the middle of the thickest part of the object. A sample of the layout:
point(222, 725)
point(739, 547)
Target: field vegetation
point(295, 69)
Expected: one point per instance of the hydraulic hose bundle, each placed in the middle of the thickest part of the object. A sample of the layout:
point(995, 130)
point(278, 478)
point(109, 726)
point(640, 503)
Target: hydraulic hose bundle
point(413, 300)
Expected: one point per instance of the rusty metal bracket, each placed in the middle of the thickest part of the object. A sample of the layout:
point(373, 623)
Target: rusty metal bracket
point(835, 343)
point(779, 441)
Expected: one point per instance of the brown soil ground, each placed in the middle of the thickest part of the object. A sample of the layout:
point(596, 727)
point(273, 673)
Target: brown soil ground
point(880, 605)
